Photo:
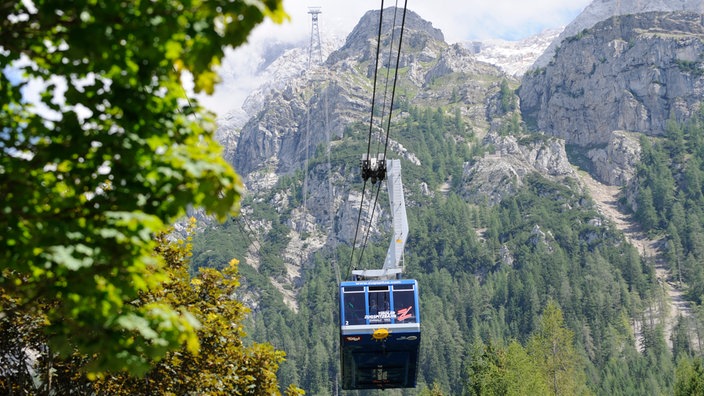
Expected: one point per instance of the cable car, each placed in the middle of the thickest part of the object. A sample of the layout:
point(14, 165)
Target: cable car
point(380, 333)
point(379, 311)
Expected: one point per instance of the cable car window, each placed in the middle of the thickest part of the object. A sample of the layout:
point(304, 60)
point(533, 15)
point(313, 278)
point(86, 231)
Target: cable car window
point(354, 308)
point(404, 301)
point(379, 305)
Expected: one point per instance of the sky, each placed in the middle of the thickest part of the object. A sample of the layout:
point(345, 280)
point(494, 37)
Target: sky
point(459, 20)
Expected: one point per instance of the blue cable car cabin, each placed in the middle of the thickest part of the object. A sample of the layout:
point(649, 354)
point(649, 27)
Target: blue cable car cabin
point(379, 333)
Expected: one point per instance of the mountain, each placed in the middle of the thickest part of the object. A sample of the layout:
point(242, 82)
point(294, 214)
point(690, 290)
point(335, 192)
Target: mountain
point(601, 10)
point(631, 73)
point(279, 137)
point(318, 108)
point(501, 223)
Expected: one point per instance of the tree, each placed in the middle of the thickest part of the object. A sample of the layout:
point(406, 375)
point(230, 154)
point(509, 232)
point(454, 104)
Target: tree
point(108, 154)
point(680, 337)
point(508, 100)
point(553, 350)
point(436, 390)
point(225, 365)
point(646, 213)
point(689, 379)
point(497, 370)
point(20, 340)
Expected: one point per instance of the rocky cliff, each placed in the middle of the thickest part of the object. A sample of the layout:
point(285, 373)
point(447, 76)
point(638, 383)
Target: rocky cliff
point(601, 10)
point(629, 73)
point(502, 172)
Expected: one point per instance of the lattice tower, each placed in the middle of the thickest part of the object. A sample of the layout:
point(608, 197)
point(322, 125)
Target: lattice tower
point(315, 52)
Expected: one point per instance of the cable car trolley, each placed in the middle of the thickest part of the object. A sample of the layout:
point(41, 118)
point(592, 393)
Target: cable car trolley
point(379, 311)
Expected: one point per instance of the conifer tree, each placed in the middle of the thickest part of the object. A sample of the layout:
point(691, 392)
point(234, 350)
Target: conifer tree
point(552, 348)
point(689, 377)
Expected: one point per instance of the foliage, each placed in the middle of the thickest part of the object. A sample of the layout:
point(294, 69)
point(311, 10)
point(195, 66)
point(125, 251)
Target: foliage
point(548, 365)
point(690, 377)
point(497, 370)
point(440, 141)
point(507, 97)
point(471, 291)
point(224, 364)
point(107, 154)
point(217, 245)
point(489, 276)
point(434, 391)
point(20, 340)
point(671, 195)
point(693, 67)
point(551, 345)
point(484, 275)
point(511, 125)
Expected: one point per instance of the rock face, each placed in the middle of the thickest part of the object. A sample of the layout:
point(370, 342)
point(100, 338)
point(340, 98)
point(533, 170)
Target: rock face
point(625, 77)
point(630, 73)
point(361, 42)
point(616, 163)
point(296, 119)
point(601, 10)
point(501, 174)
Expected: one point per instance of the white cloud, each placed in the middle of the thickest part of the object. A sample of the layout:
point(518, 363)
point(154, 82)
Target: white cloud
point(240, 74)
point(507, 19)
point(459, 20)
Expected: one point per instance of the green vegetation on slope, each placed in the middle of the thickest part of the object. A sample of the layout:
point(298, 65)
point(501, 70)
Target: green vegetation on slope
point(670, 199)
point(488, 275)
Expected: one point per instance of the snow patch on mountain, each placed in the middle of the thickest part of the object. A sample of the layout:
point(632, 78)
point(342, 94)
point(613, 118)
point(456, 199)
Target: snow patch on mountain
point(513, 57)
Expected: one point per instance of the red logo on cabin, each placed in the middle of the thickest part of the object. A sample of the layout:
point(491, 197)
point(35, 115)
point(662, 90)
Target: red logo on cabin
point(402, 314)
point(353, 339)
